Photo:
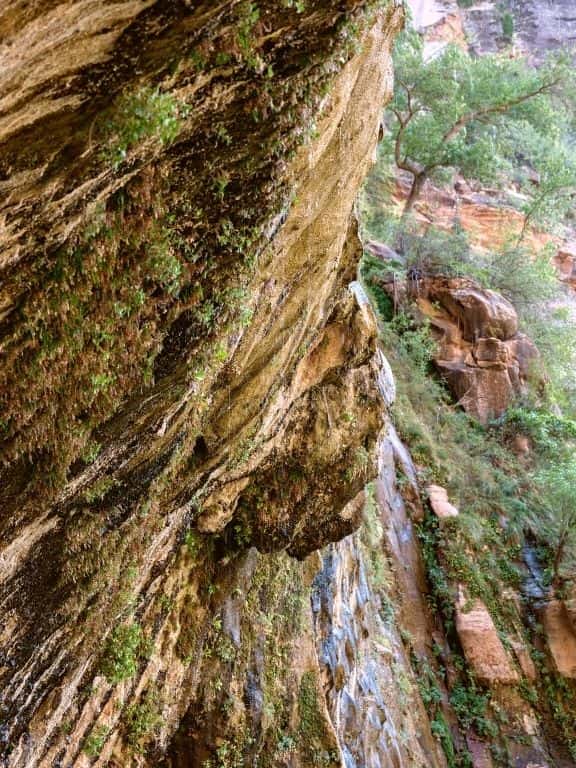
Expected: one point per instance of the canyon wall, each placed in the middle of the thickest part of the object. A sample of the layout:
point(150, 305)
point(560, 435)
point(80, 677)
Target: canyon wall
point(188, 389)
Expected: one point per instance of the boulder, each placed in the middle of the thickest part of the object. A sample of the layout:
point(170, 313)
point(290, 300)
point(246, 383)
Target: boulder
point(384, 251)
point(479, 312)
point(561, 637)
point(484, 393)
point(485, 361)
point(565, 261)
point(439, 502)
point(481, 644)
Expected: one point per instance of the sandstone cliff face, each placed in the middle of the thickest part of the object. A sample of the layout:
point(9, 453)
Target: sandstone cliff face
point(186, 380)
point(538, 25)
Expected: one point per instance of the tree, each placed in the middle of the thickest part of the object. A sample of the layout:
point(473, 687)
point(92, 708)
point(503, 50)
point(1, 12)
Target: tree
point(483, 117)
point(556, 518)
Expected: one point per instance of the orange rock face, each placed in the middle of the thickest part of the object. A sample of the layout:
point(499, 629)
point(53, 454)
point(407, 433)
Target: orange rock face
point(481, 644)
point(524, 659)
point(561, 637)
point(488, 223)
point(565, 261)
point(481, 354)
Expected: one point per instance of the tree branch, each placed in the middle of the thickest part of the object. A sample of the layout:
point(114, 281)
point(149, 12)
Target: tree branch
point(496, 109)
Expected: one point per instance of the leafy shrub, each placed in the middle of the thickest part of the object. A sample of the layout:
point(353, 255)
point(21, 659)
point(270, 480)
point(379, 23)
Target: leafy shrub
point(94, 743)
point(470, 708)
point(141, 720)
point(146, 113)
point(123, 651)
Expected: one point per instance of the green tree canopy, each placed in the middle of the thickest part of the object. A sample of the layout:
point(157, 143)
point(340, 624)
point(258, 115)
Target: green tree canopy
point(485, 117)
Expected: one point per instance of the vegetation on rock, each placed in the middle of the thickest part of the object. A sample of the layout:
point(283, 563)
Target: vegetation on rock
point(512, 479)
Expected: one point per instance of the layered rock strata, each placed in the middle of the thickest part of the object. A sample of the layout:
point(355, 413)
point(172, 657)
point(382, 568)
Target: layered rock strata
point(184, 373)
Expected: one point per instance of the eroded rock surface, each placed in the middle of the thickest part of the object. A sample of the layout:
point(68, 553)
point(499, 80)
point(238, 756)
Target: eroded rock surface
point(482, 356)
point(185, 373)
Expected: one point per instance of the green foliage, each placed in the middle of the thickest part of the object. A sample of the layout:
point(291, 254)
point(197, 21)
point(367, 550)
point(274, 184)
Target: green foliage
point(311, 724)
point(162, 263)
point(94, 743)
point(123, 651)
point(98, 490)
point(547, 430)
point(441, 731)
point(248, 16)
point(195, 543)
point(298, 5)
point(378, 566)
point(141, 720)
point(486, 122)
point(91, 452)
point(507, 26)
point(470, 707)
point(146, 113)
point(428, 687)
point(555, 521)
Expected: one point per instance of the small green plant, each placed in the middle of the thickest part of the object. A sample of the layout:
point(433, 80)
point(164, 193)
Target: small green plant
point(163, 264)
point(470, 708)
point(101, 382)
point(223, 135)
point(194, 542)
point(298, 5)
point(249, 14)
point(507, 26)
point(220, 184)
point(123, 651)
point(94, 743)
point(441, 732)
point(98, 490)
point(91, 452)
point(141, 720)
point(220, 353)
point(147, 113)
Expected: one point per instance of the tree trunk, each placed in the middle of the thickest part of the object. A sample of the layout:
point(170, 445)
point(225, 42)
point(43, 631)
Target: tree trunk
point(415, 190)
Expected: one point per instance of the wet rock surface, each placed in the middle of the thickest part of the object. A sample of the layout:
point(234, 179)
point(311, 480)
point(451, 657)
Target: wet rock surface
point(371, 690)
point(260, 410)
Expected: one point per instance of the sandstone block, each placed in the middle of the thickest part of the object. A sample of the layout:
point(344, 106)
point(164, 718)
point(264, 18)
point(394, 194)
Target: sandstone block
point(481, 644)
point(439, 502)
point(561, 637)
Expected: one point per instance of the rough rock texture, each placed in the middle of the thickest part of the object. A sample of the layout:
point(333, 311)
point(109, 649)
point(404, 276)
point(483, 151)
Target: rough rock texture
point(561, 637)
point(371, 589)
point(539, 25)
point(481, 354)
point(565, 261)
point(480, 642)
point(184, 372)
